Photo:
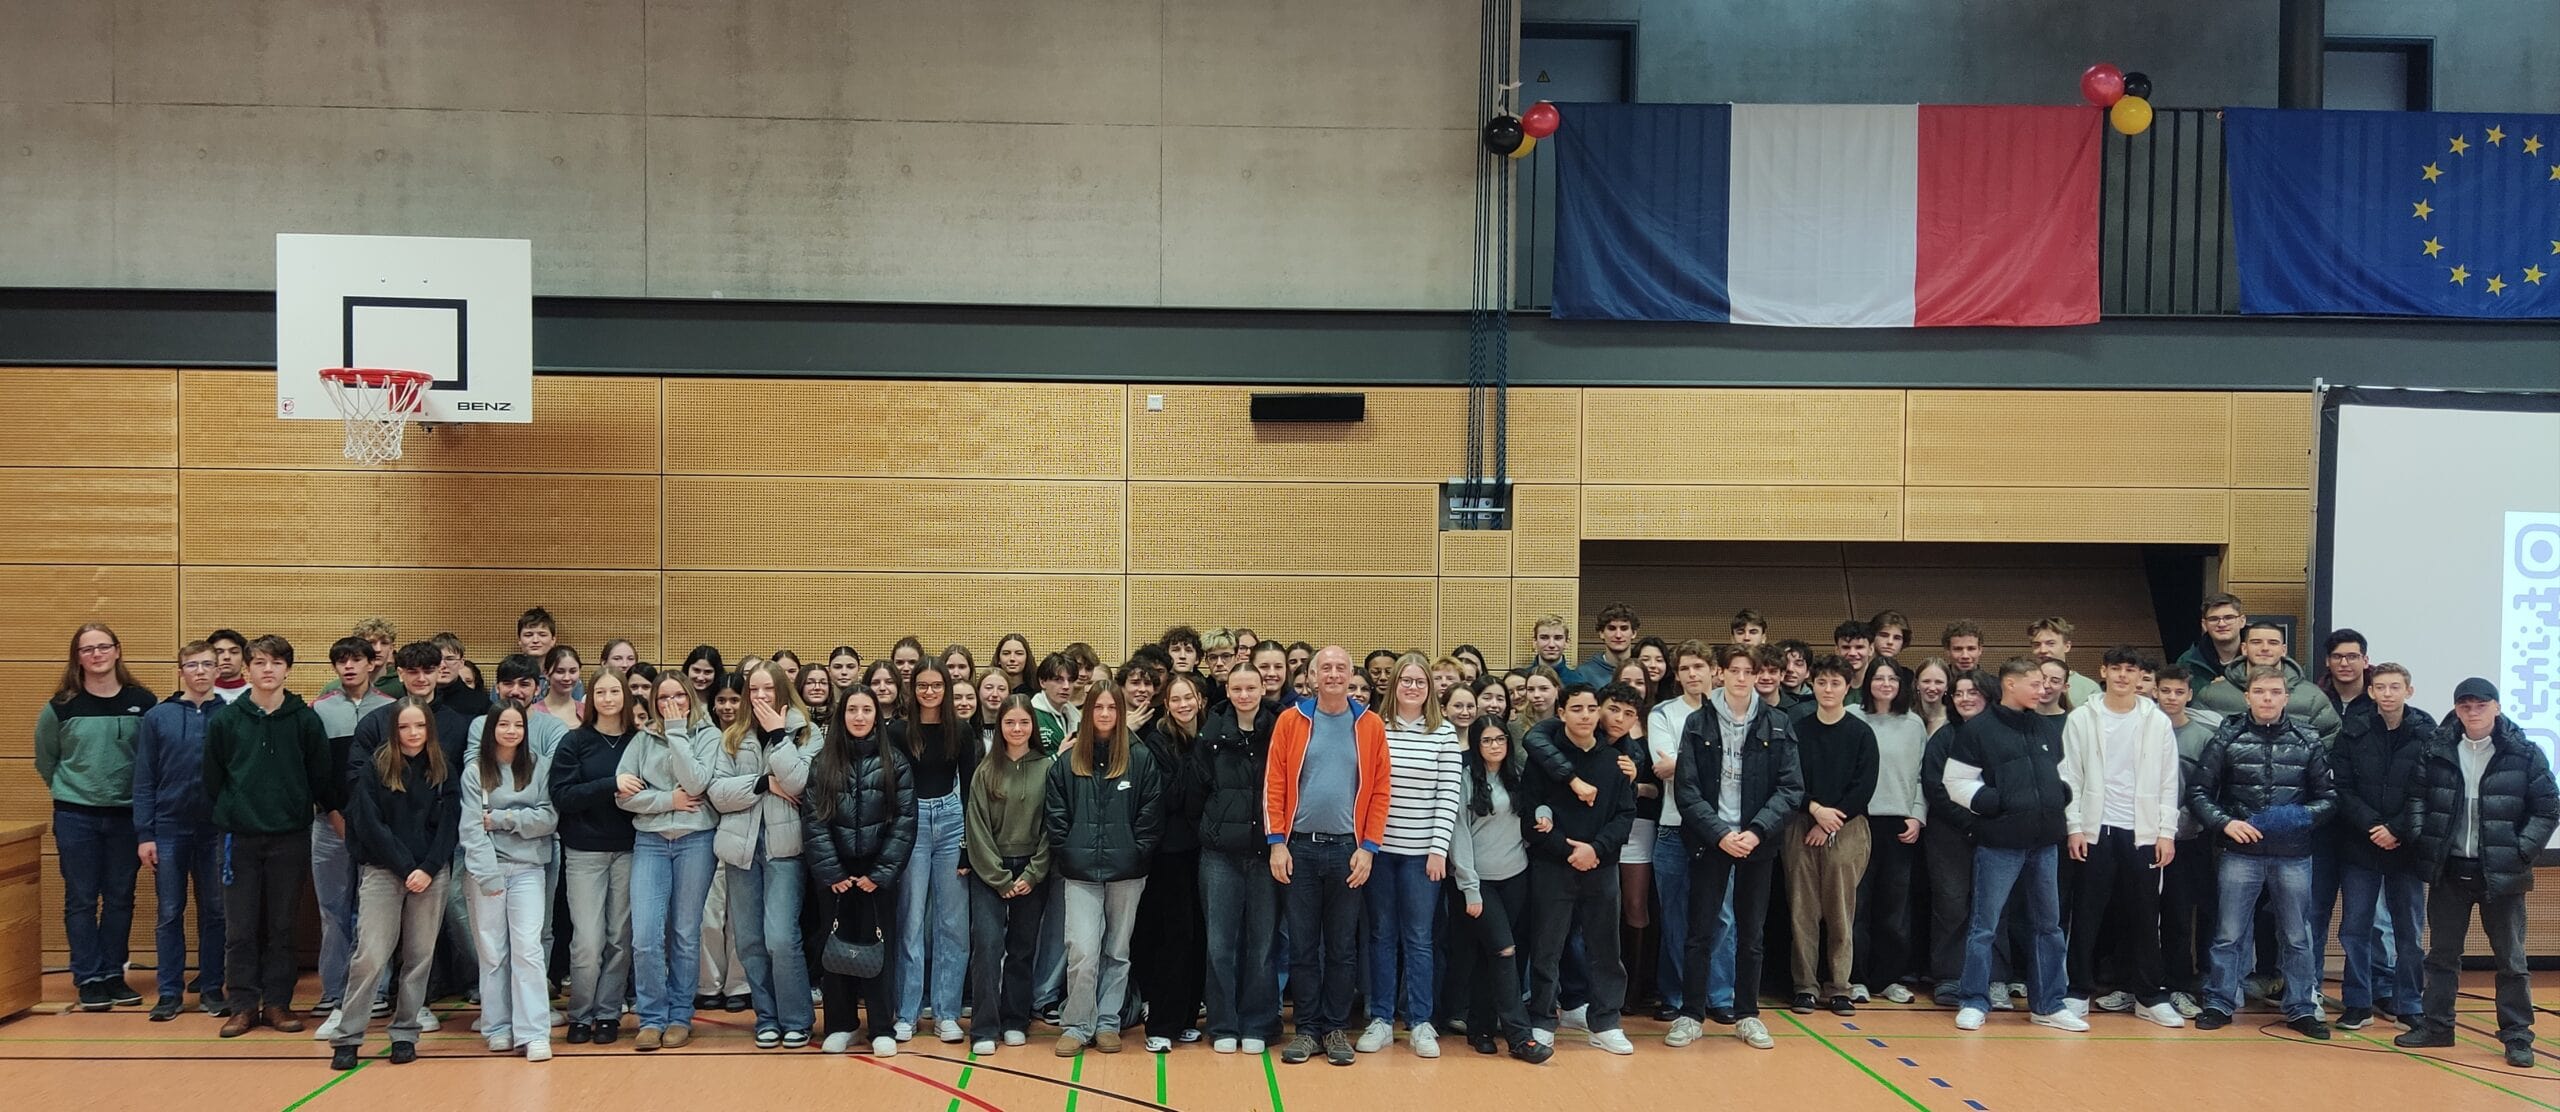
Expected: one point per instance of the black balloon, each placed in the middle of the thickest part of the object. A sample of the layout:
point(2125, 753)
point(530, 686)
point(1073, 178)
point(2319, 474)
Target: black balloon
point(2137, 85)
point(1502, 135)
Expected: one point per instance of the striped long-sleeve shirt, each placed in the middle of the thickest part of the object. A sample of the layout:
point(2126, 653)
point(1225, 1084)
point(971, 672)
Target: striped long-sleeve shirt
point(1422, 808)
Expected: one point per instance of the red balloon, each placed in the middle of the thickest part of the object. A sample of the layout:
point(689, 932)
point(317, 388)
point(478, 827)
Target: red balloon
point(1541, 120)
point(2103, 84)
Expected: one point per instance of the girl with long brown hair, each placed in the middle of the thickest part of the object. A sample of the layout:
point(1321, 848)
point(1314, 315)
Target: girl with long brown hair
point(1008, 843)
point(402, 823)
point(506, 833)
point(1104, 819)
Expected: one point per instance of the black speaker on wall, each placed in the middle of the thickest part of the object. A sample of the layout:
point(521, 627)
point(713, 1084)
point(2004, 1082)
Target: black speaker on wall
point(1310, 407)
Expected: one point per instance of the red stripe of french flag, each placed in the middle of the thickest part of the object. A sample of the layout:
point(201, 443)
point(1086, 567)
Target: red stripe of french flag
point(2008, 215)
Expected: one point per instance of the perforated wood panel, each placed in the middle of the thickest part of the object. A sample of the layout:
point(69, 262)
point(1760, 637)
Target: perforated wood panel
point(313, 607)
point(582, 424)
point(2281, 598)
point(1225, 528)
point(2069, 438)
point(1546, 530)
point(1532, 599)
point(98, 515)
point(26, 684)
point(1358, 612)
point(2067, 515)
point(1410, 434)
point(1715, 437)
point(1476, 612)
point(89, 417)
point(753, 523)
point(810, 612)
point(2270, 535)
point(1740, 512)
point(2271, 439)
point(410, 520)
point(1479, 552)
point(891, 428)
point(46, 602)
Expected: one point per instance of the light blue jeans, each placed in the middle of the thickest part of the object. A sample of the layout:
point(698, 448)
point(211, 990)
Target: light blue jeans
point(1099, 919)
point(764, 924)
point(2287, 884)
point(333, 885)
point(1996, 870)
point(933, 915)
point(670, 880)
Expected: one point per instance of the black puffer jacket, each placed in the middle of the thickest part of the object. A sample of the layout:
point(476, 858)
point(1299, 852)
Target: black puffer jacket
point(1104, 828)
point(1933, 783)
point(2373, 765)
point(1772, 780)
point(1225, 799)
point(1176, 780)
point(870, 829)
point(2250, 768)
point(2010, 763)
point(2519, 806)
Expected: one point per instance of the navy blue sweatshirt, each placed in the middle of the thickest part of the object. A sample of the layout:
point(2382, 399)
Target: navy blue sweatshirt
point(582, 788)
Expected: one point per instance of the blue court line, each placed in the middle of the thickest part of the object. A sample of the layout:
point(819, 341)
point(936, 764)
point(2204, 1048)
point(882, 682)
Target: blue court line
point(1940, 1082)
point(1977, 1106)
point(1877, 1043)
point(1908, 1062)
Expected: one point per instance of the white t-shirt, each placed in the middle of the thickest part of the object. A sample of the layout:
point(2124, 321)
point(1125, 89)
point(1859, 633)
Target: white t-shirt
point(2118, 735)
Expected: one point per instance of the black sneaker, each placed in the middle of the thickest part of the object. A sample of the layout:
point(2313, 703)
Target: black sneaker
point(1484, 1044)
point(1048, 1015)
point(95, 997)
point(1302, 1046)
point(1725, 1016)
point(2309, 1027)
point(167, 1009)
point(1840, 1005)
point(342, 1058)
point(322, 1009)
point(1665, 1013)
point(215, 1004)
point(2420, 1037)
point(403, 1053)
point(1337, 1048)
point(579, 1034)
point(703, 1003)
point(2355, 1019)
point(734, 1003)
point(2520, 1055)
point(1532, 1051)
point(122, 995)
point(2212, 1019)
point(1802, 1004)
point(608, 1031)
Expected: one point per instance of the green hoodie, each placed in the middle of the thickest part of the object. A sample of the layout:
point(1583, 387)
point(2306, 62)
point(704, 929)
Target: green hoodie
point(267, 773)
point(84, 746)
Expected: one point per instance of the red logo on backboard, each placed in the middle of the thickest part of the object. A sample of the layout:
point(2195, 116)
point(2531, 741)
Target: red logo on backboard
point(284, 408)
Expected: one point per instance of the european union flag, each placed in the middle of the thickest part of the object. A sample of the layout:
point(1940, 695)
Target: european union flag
point(2438, 214)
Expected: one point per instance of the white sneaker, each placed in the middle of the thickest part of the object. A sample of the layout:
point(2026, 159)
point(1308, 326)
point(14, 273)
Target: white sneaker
point(1858, 994)
point(1223, 1046)
point(1375, 1037)
point(2060, 1021)
point(500, 1043)
point(1015, 1038)
point(538, 1051)
point(2018, 989)
point(2078, 1006)
point(1684, 1031)
point(837, 1043)
point(1541, 1034)
point(2186, 1004)
point(884, 1047)
point(1613, 1040)
point(1753, 1033)
point(1969, 1019)
point(427, 1020)
point(1897, 993)
point(904, 1031)
point(2000, 1001)
point(2117, 1001)
point(947, 1030)
point(330, 1027)
point(1158, 1044)
point(2163, 1014)
point(1253, 1046)
point(1574, 1019)
point(1426, 1042)
point(983, 1047)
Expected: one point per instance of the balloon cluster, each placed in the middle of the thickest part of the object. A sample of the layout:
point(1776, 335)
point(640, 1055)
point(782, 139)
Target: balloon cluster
point(1515, 136)
point(2125, 96)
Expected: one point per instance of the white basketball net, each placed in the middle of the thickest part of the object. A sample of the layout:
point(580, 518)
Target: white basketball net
point(378, 406)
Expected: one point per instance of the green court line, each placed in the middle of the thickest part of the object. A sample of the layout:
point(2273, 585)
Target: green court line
point(333, 1083)
point(1862, 1066)
point(2491, 1044)
point(1271, 1077)
point(963, 1086)
point(1160, 1077)
point(2464, 1074)
point(1075, 1074)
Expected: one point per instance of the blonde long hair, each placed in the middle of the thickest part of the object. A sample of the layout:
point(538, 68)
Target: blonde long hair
point(388, 764)
point(786, 697)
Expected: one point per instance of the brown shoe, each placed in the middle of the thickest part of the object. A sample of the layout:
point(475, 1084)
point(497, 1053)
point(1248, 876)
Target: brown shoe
point(282, 1019)
point(677, 1036)
point(239, 1023)
point(1107, 1042)
point(1070, 1045)
point(650, 1038)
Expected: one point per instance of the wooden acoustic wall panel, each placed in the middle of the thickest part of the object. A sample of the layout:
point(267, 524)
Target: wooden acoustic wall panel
point(25, 685)
point(1546, 530)
point(2270, 535)
point(1357, 612)
point(411, 519)
point(1532, 599)
point(811, 612)
point(759, 523)
point(1339, 528)
point(1695, 435)
point(2272, 598)
point(1676, 602)
point(581, 425)
point(1839, 513)
point(1476, 552)
point(315, 606)
point(1545, 435)
point(883, 428)
point(2271, 439)
point(2112, 515)
point(2066, 438)
point(23, 797)
point(46, 602)
point(1476, 612)
point(21, 940)
point(1413, 434)
point(90, 417)
point(96, 515)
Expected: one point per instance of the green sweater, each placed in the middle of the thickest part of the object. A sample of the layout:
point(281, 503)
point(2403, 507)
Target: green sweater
point(268, 773)
point(995, 829)
point(84, 747)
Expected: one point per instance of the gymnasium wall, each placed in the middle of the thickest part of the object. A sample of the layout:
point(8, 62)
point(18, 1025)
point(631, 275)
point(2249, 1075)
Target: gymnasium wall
point(1318, 153)
point(751, 512)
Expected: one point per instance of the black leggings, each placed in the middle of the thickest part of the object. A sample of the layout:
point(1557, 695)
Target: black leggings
point(1476, 959)
point(1169, 965)
point(857, 912)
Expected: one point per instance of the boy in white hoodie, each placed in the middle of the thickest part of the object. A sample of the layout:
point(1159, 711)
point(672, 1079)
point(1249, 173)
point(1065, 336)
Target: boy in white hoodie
point(2120, 759)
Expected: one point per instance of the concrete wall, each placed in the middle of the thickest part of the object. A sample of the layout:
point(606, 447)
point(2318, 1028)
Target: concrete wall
point(1120, 152)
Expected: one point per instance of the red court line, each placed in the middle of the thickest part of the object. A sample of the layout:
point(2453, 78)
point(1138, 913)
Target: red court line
point(913, 1075)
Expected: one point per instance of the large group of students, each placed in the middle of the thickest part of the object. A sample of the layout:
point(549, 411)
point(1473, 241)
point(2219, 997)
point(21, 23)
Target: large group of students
point(851, 847)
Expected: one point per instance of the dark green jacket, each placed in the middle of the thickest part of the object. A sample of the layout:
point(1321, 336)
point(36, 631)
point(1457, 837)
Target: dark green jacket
point(268, 773)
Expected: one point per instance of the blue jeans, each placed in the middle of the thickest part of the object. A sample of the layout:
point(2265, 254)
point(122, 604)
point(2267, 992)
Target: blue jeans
point(1402, 898)
point(933, 915)
point(333, 886)
point(670, 880)
point(2287, 884)
point(1324, 930)
point(2405, 898)
point(764, 924)
point(189, 857)
point(99, 868)
point(1239, 901)
point(2321, 912)
point(1671, 897)
point(1996, 870)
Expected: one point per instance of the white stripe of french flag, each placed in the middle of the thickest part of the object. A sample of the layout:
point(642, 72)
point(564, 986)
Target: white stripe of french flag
point(1825, 214)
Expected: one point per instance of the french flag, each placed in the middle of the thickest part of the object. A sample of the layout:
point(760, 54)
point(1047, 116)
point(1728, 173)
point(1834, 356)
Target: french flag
point(1828, 216)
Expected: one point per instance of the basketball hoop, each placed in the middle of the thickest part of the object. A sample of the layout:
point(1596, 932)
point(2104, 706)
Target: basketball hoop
point(378, 405)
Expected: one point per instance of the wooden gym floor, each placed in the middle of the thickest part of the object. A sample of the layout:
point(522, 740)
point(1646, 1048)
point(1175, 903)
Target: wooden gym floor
point(1885, 1057)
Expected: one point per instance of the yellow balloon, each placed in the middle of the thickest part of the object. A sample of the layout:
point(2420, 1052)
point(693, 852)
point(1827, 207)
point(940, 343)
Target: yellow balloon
point(1527, 143)
point(2131, 115)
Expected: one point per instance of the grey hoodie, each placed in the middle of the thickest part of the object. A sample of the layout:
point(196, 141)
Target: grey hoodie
point(665, 763)
point(743, 809)
point(520, 824)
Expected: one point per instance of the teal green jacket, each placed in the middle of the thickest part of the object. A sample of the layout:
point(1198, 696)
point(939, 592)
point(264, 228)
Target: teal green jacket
point(84, 746)
point(268, 773)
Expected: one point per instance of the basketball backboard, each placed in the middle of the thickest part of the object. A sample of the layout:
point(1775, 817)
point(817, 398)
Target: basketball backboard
point(460, 310)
